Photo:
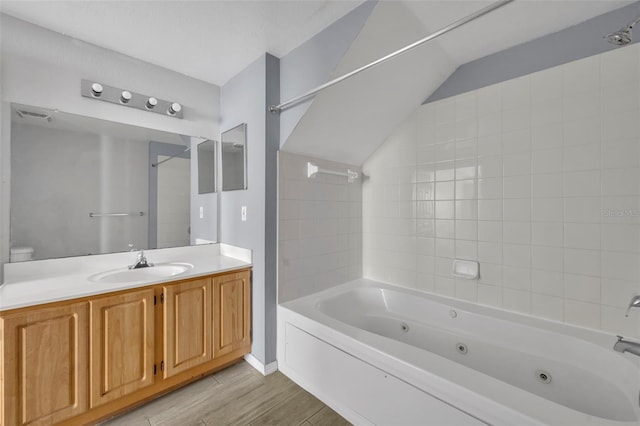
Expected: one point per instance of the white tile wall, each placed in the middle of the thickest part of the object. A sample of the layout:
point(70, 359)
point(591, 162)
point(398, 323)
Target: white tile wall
point(320, 227)
point(537, 178)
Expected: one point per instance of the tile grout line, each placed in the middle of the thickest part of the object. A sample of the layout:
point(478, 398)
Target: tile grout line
point(314, 413)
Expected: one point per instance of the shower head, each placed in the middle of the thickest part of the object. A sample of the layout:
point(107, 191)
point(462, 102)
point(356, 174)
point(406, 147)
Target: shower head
point(620, 37)
point(623, 35)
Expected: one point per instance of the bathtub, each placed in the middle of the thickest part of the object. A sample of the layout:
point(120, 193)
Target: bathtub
point(385, 355)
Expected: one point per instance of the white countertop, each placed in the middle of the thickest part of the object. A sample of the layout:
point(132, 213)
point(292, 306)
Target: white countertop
point(44, 281)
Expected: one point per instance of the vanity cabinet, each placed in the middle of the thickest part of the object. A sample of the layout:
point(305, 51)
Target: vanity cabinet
point(121, 345)
point(187, 325)
point(231, 313)
point(84, 360)
point(45, 363)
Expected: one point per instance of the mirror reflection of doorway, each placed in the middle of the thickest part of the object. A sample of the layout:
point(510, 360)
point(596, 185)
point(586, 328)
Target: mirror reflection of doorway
point(169, 199)
point(173, 203)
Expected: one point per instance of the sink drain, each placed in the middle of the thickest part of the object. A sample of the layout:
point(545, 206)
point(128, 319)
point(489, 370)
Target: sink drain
point(404, 326)
point(461, 348)
point(543, 376)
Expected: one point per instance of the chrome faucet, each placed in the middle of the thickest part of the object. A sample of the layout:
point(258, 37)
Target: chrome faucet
point(626, 346)
point(141, 261)
point(635, 303)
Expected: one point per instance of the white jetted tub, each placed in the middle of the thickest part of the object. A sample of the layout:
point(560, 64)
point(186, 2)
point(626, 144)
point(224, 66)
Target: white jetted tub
point(385, 355)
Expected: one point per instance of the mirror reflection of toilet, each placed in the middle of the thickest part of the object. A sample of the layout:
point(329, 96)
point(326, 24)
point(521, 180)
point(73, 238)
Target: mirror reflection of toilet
point(20, 254)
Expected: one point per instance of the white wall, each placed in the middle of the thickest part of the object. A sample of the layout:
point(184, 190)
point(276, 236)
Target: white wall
point(44, 68)
point(537, 178)
point(320, 229)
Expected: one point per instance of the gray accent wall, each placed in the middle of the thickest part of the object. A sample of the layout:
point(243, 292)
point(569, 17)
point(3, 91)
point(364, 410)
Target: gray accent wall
point(244, 99)
point(573, 43)
point(313, 62)
point(272, 143)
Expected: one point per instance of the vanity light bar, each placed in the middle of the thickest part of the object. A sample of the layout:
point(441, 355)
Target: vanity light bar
point(102, 92)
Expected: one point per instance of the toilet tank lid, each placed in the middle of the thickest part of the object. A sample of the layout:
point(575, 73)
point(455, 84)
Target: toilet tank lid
point(17, 250)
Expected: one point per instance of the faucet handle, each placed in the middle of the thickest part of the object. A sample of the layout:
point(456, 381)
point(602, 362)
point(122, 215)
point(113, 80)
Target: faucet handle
point(619, 337)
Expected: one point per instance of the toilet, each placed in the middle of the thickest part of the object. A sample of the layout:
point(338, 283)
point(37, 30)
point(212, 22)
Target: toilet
point(20, 254)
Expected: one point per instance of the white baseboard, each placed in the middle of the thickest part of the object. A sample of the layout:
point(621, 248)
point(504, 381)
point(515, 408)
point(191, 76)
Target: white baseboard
point(265, 370)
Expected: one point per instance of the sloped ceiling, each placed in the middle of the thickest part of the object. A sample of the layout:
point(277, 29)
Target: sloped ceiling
point(516, 23)
point(313, 62)
point(215, 40)
point(349, 121)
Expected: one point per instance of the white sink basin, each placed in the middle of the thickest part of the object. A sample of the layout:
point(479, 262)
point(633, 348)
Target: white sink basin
point(152, 273)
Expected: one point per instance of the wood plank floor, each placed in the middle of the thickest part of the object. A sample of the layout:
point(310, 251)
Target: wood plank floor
point(238, 395)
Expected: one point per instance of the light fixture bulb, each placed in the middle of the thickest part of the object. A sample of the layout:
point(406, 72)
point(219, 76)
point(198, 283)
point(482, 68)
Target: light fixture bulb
point(151, 103)
point(125, 96)
point(174, 108)
point(96, 89)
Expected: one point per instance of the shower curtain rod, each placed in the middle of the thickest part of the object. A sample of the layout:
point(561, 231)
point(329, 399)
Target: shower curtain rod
point(170, 158)
point(493, 6)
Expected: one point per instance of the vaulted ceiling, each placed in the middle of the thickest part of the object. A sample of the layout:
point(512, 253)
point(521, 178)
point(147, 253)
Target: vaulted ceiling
point(349, 121)
point(214, 40)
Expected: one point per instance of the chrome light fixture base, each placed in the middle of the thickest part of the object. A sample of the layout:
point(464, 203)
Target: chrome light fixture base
point(102, 92)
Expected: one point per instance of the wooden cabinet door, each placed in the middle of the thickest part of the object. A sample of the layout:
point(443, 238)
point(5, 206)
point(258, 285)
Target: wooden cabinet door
point(45, 364)
point(187, 325)
point(231, 312)
point(121, 345)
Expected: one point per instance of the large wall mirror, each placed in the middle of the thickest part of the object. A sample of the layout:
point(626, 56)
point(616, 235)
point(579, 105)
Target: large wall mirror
point(234, 158)
point(82, 186)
